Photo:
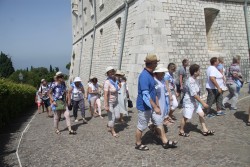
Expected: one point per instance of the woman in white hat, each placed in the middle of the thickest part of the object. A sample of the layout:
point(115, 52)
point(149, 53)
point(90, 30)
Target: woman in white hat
point(122, 94)
point(76, 92)
point(111, 89)
point(94, 95)
point(160, 87)
point(57, 95)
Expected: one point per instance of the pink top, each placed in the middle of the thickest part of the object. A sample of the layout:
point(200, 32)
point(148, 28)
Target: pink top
point(112, 93)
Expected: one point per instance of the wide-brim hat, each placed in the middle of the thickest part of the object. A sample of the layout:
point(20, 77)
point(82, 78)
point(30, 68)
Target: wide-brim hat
point(118, 72)
point(151, 58)
point(77, 79)
point(109, 68)
point(160, 68)
point(59, 73)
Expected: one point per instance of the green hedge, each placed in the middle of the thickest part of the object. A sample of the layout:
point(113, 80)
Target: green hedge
point(14, 100)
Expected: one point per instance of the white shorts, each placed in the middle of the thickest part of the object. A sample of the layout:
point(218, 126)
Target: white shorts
point(189, 109)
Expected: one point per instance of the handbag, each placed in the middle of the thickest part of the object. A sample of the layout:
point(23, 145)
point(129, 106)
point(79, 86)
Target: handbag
point(60, 105)
point(130, 103)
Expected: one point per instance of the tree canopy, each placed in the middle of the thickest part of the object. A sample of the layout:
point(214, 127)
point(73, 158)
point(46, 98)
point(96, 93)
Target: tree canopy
point(6, 67)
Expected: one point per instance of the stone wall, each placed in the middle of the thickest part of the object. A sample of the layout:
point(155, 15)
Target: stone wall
point(173, 29)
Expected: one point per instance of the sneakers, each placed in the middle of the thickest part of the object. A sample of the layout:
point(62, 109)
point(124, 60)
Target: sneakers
point(210, 115)
point(233, 109)
point(76, 120)
point(220, 113)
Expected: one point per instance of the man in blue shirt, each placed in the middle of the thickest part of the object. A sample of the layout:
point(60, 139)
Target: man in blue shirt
point(147, 107)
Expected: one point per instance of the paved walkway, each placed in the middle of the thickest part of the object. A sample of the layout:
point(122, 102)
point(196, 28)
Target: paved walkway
point(94, 146)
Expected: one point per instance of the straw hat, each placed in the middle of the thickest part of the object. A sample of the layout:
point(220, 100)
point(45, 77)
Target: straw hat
point(160, 68)
point(151, 58)
point(118, 72)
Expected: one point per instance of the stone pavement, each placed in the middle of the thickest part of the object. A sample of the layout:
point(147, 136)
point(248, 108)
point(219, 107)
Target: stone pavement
point(94, 146)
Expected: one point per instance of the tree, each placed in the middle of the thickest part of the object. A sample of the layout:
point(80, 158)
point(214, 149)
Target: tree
point(68, 66)
point(6, 67)
point(56, 69)
point(51, 69)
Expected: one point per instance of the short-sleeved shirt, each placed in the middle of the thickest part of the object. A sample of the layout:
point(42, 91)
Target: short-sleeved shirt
point(233, 69)
point(44, 91)
point(160, 93)
point(181, 71)
point(58, 90)
point(212, 71)
point(112, 91)
point(171, 80)
point(77, 93)
point(192, 87)
point(146, 82)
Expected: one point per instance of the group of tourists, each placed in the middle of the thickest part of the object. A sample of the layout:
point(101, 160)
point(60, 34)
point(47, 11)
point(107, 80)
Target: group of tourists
point(58, 99)
point(159, 90)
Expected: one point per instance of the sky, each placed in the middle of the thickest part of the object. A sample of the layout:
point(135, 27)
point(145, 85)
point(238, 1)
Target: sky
point(36, 33)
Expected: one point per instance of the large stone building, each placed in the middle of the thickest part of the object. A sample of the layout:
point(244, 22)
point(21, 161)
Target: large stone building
point(121, 33)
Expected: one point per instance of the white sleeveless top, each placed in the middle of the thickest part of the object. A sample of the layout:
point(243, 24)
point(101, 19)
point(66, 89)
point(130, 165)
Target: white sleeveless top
point(93, 88)
point(77, 94)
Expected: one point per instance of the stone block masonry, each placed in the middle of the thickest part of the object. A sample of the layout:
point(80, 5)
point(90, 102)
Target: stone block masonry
point(174, 30)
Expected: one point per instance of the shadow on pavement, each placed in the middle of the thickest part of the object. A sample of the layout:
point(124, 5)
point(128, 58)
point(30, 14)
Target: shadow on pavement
point(9, 135)
point(191, 127)
point(150, 138)
point(242, 115)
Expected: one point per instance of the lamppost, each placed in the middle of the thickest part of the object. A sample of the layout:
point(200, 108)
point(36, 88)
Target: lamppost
point(20, 77)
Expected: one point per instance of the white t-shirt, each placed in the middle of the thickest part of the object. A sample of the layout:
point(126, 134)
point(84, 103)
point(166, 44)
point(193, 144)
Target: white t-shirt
point(212, 71)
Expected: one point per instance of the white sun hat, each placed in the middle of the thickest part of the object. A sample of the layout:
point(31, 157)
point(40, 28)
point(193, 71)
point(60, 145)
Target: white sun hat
point(77, 79)
point(59, 73)
point(109, 68)
point(160, 68)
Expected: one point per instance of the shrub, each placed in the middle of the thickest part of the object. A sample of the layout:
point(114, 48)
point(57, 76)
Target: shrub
point(15, 99)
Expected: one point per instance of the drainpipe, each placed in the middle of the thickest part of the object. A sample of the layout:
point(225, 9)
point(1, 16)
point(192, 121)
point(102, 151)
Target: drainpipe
point(93, 44)
point(81, 53)
point(247, 26)
point(123, 34)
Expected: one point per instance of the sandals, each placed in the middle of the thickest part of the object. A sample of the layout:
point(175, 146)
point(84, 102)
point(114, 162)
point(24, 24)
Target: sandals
point(141, 147)
point(173, 117)
point(209, 132)
point(169, 144)
point(248, 123)
point(115, 135)
point(57, 132)
point(184, 134)
point(72, 132)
